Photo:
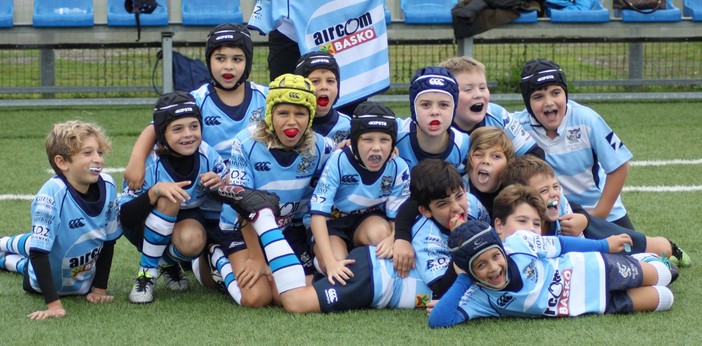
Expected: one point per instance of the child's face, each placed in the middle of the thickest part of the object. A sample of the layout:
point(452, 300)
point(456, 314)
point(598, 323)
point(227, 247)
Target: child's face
point(524, 218)
point(473, 99)
point(443, 210)
point(84, 167)
point(549, 106)
point(550, 190)
point(486, 167)
point(434, 111)
point(184, 135)
point(490, 267)
point(289, 123)
point(227, 65)
point(326, 87)
point(374, 148)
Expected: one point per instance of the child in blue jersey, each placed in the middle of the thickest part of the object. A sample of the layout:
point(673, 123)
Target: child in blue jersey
point(590, 160)
point(356, 198)
point(321, 68)
point(564, 217)
point(281, 154)
point(74, 223)
point(229, 103)
point(474, 109)
point(433, 96)
point(374, 284)
point(162, 218)
point(535, 276)
point(444, 203)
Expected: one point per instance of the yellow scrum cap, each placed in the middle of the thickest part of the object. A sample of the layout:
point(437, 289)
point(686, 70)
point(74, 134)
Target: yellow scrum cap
point(293, 89)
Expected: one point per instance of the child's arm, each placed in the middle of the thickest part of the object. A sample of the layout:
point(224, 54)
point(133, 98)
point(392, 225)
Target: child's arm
point(612, 244)
point(385, 247)
point(611, 191)
point(103, 265)
point(42, 268)
point(134, 172)
point(403, 253)
point(336, 270)
point(446, 312)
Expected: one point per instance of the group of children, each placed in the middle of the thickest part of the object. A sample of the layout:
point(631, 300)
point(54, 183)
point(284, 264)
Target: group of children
point(462, 203)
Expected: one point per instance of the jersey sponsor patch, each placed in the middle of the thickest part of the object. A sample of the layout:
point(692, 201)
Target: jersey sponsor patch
point(614, 141)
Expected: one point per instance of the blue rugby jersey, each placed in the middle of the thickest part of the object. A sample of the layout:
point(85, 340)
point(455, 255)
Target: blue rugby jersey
point(346, 188)
point(585, 150)
point(288, 174)
point(72, 231)
point(354, 31)
point(409, 149)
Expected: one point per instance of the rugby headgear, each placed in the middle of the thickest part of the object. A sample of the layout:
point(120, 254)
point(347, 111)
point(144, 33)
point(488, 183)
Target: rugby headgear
point(432, 79)
point(292, 89)
point(231, 35)
point(538, 73)
point(470, 240)
point(172, 106)
point(372, 117)
point(319, 60)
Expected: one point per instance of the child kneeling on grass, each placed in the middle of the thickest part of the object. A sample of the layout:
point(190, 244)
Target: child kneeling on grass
point(74, 223)
point(534, 276)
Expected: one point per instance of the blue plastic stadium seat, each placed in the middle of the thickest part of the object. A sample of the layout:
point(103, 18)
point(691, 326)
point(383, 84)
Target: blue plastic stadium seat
point(7, 7)
point(118, 16)
point(670, 14)
point(597, 14)
point(211, 12)
point(63, 13)
point(693, 8)
point(527, 17)
point(427, 11)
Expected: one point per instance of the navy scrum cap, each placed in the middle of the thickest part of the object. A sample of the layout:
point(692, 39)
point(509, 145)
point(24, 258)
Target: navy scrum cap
point(371, 117)
point(232, 35)
point(319, 60)
point(538, 73)
point(170, 107)
point(471, 239)
point(432, 79)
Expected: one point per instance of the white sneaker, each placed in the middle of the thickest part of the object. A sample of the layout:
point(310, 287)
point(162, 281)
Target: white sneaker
point(175, 281)
point(143, 290)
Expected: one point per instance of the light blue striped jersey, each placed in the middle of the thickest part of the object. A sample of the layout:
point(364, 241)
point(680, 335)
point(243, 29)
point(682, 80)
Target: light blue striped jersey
point(347, 188)
point(286, 173)
point(160, 169)
point(392, 291)
point(335, 126)
point(354, 31)
point(582, 154)
point(220, 123)
point(409, 149)
point(554, 284)
point(72, 231)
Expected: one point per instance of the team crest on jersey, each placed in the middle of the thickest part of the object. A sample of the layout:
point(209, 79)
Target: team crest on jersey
point(530, 271)
point(112, 211)
point(236, 147)
point(340, 136)
point(573, 136)
point(305, 165)
point(385, 185)
point(256, 115)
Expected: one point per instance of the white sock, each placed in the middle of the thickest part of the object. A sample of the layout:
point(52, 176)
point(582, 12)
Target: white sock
point(664, 275)
point(286, 268)
point(665, 298)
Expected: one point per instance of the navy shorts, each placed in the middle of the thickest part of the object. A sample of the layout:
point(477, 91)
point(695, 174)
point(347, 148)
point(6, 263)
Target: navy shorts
point(358, 291)
point(600, 229)
point(346, 226)
point(135, 235)
point(621, 273)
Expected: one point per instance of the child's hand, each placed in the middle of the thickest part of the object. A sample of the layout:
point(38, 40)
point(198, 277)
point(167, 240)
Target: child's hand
point(54, 310)
point(339, 272)
point(344, 143)
point(99, 295)
point(458, 270)
point(456, 221)
point(211, 180)
point(402, 257)
point(384, 249)
point(173, 191)
point(573, 224)
point(430, 306)
point(253, 270)
point(616, 242)
point(134, 175)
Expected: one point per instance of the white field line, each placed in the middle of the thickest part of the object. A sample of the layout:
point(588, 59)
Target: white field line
point(676, 188)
